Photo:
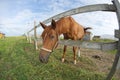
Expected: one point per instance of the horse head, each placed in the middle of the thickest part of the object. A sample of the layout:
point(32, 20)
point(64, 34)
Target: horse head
point(50, 39)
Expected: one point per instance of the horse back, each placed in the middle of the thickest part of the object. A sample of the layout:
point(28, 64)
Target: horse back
point(70, 28)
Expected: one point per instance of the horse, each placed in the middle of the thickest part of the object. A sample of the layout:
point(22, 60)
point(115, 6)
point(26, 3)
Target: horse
point(70, 30)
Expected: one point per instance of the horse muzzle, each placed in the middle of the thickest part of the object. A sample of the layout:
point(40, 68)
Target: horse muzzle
point(44, 56)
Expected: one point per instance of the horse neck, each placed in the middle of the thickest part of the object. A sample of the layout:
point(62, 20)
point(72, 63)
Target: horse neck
point(60, 28)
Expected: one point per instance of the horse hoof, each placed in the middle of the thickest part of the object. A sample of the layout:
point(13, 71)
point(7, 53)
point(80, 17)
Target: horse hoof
point(63, 59)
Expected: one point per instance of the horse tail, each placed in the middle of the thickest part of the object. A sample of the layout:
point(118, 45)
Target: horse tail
point(87, 28)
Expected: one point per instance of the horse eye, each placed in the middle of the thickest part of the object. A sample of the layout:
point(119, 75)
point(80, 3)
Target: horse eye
point(52, 37)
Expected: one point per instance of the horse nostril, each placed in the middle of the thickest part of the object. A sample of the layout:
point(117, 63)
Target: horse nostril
point(44, 58)
point(41, 59)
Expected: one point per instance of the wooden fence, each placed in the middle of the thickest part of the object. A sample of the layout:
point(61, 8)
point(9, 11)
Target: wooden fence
point(104, 46)
point(115, 7)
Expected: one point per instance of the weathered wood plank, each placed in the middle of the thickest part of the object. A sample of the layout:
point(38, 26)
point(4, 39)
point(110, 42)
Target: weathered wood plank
point(109, 46)
point(117, 33)
point(89, 8)
point(115, 63)
point(35, 33)
point(83, 44)
point(86, 44)
point(90, 45)
point(118, 65)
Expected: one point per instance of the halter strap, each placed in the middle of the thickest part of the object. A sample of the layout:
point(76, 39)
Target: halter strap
point(48, 50)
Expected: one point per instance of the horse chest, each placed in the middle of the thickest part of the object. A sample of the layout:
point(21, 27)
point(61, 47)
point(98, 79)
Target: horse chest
point(70, 36)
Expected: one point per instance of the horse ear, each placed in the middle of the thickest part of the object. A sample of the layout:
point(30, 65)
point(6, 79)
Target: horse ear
point(43, 25)
point(53, 23)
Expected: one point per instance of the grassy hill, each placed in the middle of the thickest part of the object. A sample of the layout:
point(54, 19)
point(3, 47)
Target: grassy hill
point(20, 61)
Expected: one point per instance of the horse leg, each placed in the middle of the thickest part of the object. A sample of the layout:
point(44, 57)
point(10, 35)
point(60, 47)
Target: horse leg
point(78, 51)
point(64, 52)
point(74, 51)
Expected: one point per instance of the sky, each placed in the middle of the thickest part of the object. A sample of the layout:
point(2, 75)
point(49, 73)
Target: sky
point(17, 16)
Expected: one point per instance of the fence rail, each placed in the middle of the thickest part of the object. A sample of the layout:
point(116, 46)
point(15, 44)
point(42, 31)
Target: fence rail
point(104, 46)
point(91, 45)
point(89, 8)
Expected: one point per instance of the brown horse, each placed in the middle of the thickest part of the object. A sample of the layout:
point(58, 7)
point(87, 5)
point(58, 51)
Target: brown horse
point(66, 26)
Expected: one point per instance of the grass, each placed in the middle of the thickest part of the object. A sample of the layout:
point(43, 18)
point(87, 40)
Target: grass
point(112, 51)
point(19, 61)
point(103, 40)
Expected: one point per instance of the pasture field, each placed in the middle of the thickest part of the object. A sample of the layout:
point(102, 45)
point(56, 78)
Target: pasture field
point(20, 61)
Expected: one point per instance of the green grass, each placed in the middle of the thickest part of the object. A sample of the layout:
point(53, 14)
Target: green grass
point(103, 40)
point(20, 61)
point(112, 51)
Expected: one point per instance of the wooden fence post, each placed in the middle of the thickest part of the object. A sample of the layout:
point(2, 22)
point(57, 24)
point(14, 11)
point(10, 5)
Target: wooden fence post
point(27, 36)
point(115, 63)
point(35, 36)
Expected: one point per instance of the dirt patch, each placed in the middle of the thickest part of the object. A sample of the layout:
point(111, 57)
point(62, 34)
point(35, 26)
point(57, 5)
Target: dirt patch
point(102, 61)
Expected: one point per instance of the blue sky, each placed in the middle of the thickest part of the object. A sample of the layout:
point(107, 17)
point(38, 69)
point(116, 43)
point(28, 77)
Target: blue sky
point(17, 16)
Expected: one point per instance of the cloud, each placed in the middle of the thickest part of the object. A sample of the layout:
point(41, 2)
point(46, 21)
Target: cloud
point(17, 25)
point(88, 2)
point(101, 22)
point(40, 10)
point(22, 22)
